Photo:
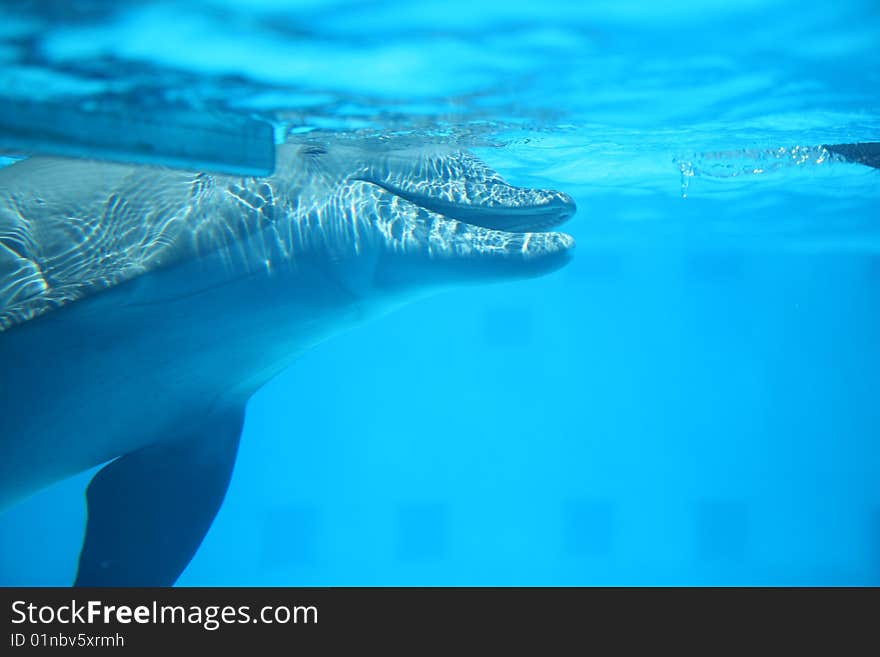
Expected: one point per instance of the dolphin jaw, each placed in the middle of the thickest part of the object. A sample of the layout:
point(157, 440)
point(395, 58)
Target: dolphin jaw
point(412, 225)
point(453, 206)
point(451, 238)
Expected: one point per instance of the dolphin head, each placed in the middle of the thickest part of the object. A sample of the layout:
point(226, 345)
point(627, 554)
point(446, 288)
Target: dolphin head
point(422, 217)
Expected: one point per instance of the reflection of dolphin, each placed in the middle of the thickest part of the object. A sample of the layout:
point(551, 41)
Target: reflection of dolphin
point(867, 152)
point(140, 308)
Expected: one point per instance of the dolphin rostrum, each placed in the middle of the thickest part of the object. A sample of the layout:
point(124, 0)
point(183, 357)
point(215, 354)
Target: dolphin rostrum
point(141, 307)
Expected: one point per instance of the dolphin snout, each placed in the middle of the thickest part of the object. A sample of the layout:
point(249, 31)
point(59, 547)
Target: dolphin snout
point(566, 204)
point(454, 209)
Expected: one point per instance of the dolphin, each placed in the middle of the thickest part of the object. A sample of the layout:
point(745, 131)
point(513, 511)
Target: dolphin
point(140, 308)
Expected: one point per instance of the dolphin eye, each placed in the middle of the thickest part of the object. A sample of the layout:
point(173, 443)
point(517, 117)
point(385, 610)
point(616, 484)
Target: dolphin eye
point(314, 150)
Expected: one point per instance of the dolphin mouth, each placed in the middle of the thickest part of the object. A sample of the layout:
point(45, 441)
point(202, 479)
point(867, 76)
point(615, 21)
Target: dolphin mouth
point(501, 225)
point(499, 207)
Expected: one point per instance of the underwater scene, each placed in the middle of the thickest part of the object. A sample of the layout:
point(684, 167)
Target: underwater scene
point(348, 293)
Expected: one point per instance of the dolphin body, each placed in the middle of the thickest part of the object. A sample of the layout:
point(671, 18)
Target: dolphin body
point(141, 307)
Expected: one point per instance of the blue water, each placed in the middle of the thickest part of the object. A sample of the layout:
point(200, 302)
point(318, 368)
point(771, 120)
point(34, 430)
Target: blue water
point(694, 400)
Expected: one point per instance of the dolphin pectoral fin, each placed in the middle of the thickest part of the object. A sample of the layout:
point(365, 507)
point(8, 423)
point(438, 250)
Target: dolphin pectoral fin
point(148, 511)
